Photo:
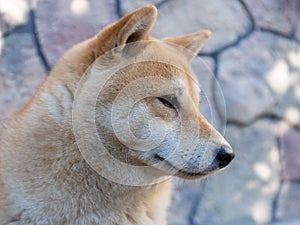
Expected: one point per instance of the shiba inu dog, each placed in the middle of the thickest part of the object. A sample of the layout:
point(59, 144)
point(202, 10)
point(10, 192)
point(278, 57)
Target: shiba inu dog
point(120, 108)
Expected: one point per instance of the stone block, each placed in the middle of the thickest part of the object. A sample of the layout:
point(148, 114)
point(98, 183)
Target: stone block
point(290, 153)
point(288, 205)
point(227, 20)
point(62, 24)
point(21, 72)
point(277, 15)
point(185, 198)
point(13, 13)
point(260, 76)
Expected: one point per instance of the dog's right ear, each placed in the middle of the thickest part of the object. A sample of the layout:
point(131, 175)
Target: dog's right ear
point(192, 42)
point(135, 26)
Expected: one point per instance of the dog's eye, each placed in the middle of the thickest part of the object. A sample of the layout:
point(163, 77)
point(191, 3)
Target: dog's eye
point(166, 103)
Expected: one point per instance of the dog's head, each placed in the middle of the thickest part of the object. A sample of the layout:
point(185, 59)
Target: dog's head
point(147, 100)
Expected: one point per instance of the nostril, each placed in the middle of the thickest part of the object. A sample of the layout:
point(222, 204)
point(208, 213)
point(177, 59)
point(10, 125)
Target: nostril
point(224, 156)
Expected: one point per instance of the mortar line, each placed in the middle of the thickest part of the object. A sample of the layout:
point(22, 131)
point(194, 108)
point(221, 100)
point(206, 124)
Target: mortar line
point(276, 197)
point(270, 116)
point(216, 69)
point(242, 37)
point(294, 35)
point(267, 116)
point(161, 3)
point(37, 41)
point(291, 36)
point(118, 8)
point(8, 32)
point(277, 33)
point(25, 28)
point(215, 55)
point(251, 17)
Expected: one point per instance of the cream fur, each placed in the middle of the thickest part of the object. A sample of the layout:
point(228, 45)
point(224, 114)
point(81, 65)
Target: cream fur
point(44, 178)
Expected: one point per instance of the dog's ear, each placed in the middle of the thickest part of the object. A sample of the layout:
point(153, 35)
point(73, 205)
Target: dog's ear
point(136, 26)
point(193, 42)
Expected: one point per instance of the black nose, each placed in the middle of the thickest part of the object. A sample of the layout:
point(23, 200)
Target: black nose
point(224, 156)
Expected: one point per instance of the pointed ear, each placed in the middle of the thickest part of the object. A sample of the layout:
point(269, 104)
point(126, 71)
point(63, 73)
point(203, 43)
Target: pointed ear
point(135, 26)
point(193, 42)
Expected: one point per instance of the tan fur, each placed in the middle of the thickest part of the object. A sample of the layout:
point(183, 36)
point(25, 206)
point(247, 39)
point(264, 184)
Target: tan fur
point(44, 178)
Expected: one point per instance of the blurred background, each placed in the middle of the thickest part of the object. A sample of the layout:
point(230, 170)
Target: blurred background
point(254, 54)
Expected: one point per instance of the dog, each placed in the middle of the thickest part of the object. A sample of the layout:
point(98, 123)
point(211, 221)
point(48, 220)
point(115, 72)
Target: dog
point(54, 170)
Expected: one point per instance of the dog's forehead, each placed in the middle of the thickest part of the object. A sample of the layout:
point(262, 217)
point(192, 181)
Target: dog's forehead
point(187, 84)
point(165, 60)
point(165, 52)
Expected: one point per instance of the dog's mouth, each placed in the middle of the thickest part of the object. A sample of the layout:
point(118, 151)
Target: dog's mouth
point(159, 157)
point(186, 174)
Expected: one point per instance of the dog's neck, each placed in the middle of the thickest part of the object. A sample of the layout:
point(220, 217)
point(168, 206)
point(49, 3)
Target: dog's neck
point(63, 186)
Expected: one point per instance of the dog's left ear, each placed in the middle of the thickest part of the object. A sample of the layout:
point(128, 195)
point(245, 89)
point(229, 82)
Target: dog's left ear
point(136, 26)
point(193, 42)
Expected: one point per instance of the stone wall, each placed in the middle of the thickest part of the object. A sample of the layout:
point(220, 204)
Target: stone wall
point(255, 56)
